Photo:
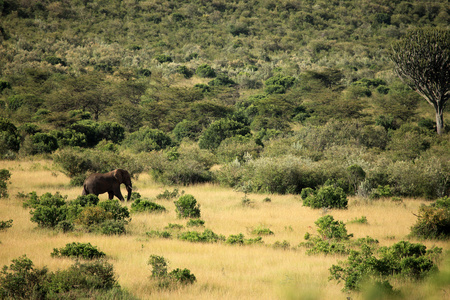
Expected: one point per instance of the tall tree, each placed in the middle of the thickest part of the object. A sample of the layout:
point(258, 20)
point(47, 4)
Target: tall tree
point(422, 57)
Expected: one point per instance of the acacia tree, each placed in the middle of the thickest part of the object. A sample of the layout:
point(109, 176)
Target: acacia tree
point(422, 57)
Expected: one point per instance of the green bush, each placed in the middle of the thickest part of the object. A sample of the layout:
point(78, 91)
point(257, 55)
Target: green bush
point(238, 239)
point(163, 58)
point(261, 230)
point(328, 197)
point(219, 131)
point(433, 222)
point(21, 280)
point(328, 228)
point(48, 210)
point(169, 195)
point(185, 71)
point(147, 139)
point(278, 84)
point(9, 137)
point(4, 177)
point(140, 205)
point(195, 223)
point(187, 207)
point(165, 278)
point(5, 224)
point(204, 71)
point(78, 250)
point(207, 236)
point(409, 261)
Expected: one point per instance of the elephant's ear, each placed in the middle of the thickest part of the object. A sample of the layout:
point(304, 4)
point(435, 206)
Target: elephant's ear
point(118, 175)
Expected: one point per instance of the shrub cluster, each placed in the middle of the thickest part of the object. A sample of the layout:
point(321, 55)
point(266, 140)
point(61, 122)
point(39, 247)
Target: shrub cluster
point(187, 207)
point(332, 237)
point(207, 236)
point(403, 259)
point(4, 177)
point(5, 224)
point(327, 196)
point(433, 221)
point(78, 250)
point(82, 213)
point(142, 205)
point(166, 279)
point(21, 280)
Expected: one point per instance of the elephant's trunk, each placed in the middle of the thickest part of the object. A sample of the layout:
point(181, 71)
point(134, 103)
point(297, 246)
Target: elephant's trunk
point(129, 189)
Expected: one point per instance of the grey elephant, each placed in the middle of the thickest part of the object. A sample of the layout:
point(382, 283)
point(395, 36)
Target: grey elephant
point(98, 183)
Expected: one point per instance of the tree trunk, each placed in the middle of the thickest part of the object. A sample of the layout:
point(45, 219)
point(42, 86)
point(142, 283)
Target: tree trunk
point(440, 120)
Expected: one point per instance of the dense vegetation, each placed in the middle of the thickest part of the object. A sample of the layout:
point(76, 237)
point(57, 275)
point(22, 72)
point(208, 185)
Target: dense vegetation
point(284, 95)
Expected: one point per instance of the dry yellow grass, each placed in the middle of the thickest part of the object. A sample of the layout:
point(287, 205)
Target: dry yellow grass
point(222, 271)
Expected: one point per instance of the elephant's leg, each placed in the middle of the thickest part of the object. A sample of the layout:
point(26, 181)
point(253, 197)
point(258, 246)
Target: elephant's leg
point(118, 194)
point(110, 195)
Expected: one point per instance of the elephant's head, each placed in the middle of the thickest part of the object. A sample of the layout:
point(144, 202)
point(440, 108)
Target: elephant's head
point(124, 177)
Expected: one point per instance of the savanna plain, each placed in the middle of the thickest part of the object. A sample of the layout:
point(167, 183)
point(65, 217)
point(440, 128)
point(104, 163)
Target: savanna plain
point(222, 271)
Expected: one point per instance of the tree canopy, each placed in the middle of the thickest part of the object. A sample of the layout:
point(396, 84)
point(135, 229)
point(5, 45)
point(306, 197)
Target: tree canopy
point(422, 57)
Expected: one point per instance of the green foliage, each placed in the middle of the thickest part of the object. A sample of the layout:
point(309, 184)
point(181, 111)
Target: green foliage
point(219, 131)
point(147, 139)
point(187, 165)
point(433, 221)
point(78, 250)
point(5, 224)
point(160, 234)
point(9, 137)
point(278, 84)
point(204, 71)
point(21, 280)
point(221, 80)
point(163, 58)
point(284, 245)
point(422, 58)
point(261, 230)
point(328, 228)
point(53, 211)
point(187, 207)
point(404, 259)
point(166, 279)
point(140, 205)
point(207, 236)
point(238, 239)
point(169, 195)
point(327, 196)
point(362, 220)
point(49, 210)
point(4, 177)
point(195, 223)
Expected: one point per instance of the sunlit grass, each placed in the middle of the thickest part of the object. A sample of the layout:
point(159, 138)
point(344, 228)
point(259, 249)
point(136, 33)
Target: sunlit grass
point(223, 271)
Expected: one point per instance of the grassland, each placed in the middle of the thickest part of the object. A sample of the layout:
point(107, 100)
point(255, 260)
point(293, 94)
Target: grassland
point(222, 271)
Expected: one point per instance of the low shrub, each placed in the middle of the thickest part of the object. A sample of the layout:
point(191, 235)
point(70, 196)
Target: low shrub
point(205, 71)
point(284, 245)
point(5, 224)
point(4, 177)
point(78, 250)
point(362, 220)
point(404, 259)
point(187, 207)
point(140, 205)
point(166, 279)
point(169, 195)
point(238, 239)
point(332, 237)
point(159, 234)
point(261, 230)
point(325, 196)
point(195, 223)
point(21, 280)
point(433, 221)
point(84, 212)
point(207, 236)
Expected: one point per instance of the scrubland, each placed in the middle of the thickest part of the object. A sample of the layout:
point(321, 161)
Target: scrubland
point(222, 271)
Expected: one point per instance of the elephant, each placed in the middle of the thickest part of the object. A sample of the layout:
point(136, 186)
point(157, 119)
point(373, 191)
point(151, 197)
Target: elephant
point(98, 183)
